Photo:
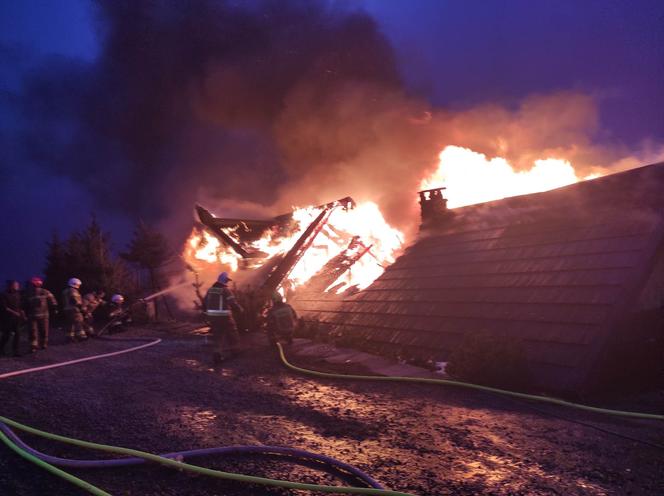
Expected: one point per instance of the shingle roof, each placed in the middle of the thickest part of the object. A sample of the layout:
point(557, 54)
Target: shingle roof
point(556, 269)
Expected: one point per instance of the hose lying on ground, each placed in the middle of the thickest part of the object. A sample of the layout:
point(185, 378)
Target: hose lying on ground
point(167, 462)
point(14, 443)
point(447, 382)
point(151, 342)
point(54, 470)
point(180, 455)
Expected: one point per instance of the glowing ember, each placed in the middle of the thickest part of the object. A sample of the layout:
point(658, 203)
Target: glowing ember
point(365, 221)
point(472, 178)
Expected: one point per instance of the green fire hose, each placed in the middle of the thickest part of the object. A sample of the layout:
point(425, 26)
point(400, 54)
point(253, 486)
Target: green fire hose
point(54, 470)
point(262, 480)
point(447, 382)
point(150, 456)
point(186, 467)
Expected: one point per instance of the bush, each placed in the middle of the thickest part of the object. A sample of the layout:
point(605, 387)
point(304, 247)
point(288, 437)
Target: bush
point(489, 359)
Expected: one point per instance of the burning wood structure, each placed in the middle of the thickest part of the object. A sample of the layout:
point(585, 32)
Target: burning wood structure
point(575, 274)
point(243, 239)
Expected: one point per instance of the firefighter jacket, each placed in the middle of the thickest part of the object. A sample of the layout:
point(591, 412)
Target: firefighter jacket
point(281, 318)
point(72, 302)
point(38, 301)
point(115, 310)
point(91, 302)
point(11, 306)
point(219, 301)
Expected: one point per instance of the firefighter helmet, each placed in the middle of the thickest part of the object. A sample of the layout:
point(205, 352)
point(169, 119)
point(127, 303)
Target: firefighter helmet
point(276, 297)
point(36, 281)
point(223, 278)
point(74, 283)
point(118, 299)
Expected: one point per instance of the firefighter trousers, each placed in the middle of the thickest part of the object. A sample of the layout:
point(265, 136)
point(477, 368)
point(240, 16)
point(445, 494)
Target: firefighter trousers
point(75, 324)
point(39, 327)
point(224, 335)
point(9, 329)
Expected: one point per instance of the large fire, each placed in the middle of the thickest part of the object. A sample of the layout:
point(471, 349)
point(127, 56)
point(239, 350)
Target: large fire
point(469, 177)
point(381, 242)
point(472, 178)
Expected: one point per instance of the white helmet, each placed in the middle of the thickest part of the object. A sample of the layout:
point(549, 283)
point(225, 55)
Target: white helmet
point(118, 299)
point(74, 283)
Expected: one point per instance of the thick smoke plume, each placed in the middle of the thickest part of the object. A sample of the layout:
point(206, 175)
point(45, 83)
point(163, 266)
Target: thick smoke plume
point(259, 106)
point(193, 98)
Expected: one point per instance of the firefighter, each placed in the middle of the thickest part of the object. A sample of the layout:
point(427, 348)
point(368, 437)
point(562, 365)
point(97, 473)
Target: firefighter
point(91, 301)
point(72, 303)
point(218, 305)
point(12, 317)
point(118, 314)
point(38, 302)
point(281, 320)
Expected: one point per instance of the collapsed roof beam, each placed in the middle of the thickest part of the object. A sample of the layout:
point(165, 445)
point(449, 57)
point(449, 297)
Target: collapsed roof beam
point(215, 225)
point(303, 243)
point(207, 219)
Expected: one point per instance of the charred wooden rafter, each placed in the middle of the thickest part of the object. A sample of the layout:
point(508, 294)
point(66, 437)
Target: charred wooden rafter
point(253, 228)
point(338, 265)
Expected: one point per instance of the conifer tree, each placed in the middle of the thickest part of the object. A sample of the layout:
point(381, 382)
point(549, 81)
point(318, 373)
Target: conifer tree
point(86, 255)
point(56, 266)
point(149, 250)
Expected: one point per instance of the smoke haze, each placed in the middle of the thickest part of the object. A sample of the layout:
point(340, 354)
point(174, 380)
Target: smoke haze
point(254, 107)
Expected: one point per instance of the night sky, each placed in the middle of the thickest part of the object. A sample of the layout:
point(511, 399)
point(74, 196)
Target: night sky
point(454, 54)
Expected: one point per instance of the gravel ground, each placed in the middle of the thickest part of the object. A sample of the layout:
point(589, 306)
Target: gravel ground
point(421, 439)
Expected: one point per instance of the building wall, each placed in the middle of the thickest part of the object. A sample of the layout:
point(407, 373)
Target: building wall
point(636, 354)
point(652, 294)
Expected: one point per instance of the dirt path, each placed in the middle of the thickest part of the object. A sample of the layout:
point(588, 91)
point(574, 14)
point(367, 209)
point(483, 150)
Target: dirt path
point(421, 439)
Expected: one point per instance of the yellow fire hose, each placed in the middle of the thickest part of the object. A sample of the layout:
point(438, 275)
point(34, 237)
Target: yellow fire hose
point(468, 385)
point(167, 462)
point(182, 466)
point(262, 480)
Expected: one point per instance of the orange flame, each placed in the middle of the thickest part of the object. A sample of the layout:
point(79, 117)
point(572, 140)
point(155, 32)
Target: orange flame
point(471, 177)
point(365, 221)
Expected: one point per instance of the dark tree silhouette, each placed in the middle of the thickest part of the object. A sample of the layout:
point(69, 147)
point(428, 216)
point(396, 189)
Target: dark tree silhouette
point(56, 270)
point(87, 255)
point(149, 250)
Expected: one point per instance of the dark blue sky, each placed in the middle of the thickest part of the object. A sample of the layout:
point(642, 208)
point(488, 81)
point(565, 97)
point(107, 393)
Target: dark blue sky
point(454, 53)
point(465, 52)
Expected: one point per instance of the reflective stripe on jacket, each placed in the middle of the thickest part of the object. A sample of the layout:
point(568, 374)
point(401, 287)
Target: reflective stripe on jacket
point(215, 302)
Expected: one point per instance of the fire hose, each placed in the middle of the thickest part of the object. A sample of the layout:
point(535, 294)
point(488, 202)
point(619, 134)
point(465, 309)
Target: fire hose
point(115, 320)
point(124, 313)
point(468, 385)
point(181, 455)
point(172, 460)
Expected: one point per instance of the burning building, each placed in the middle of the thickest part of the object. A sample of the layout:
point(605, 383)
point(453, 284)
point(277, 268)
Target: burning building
point(575, 274)
point(338, 245)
